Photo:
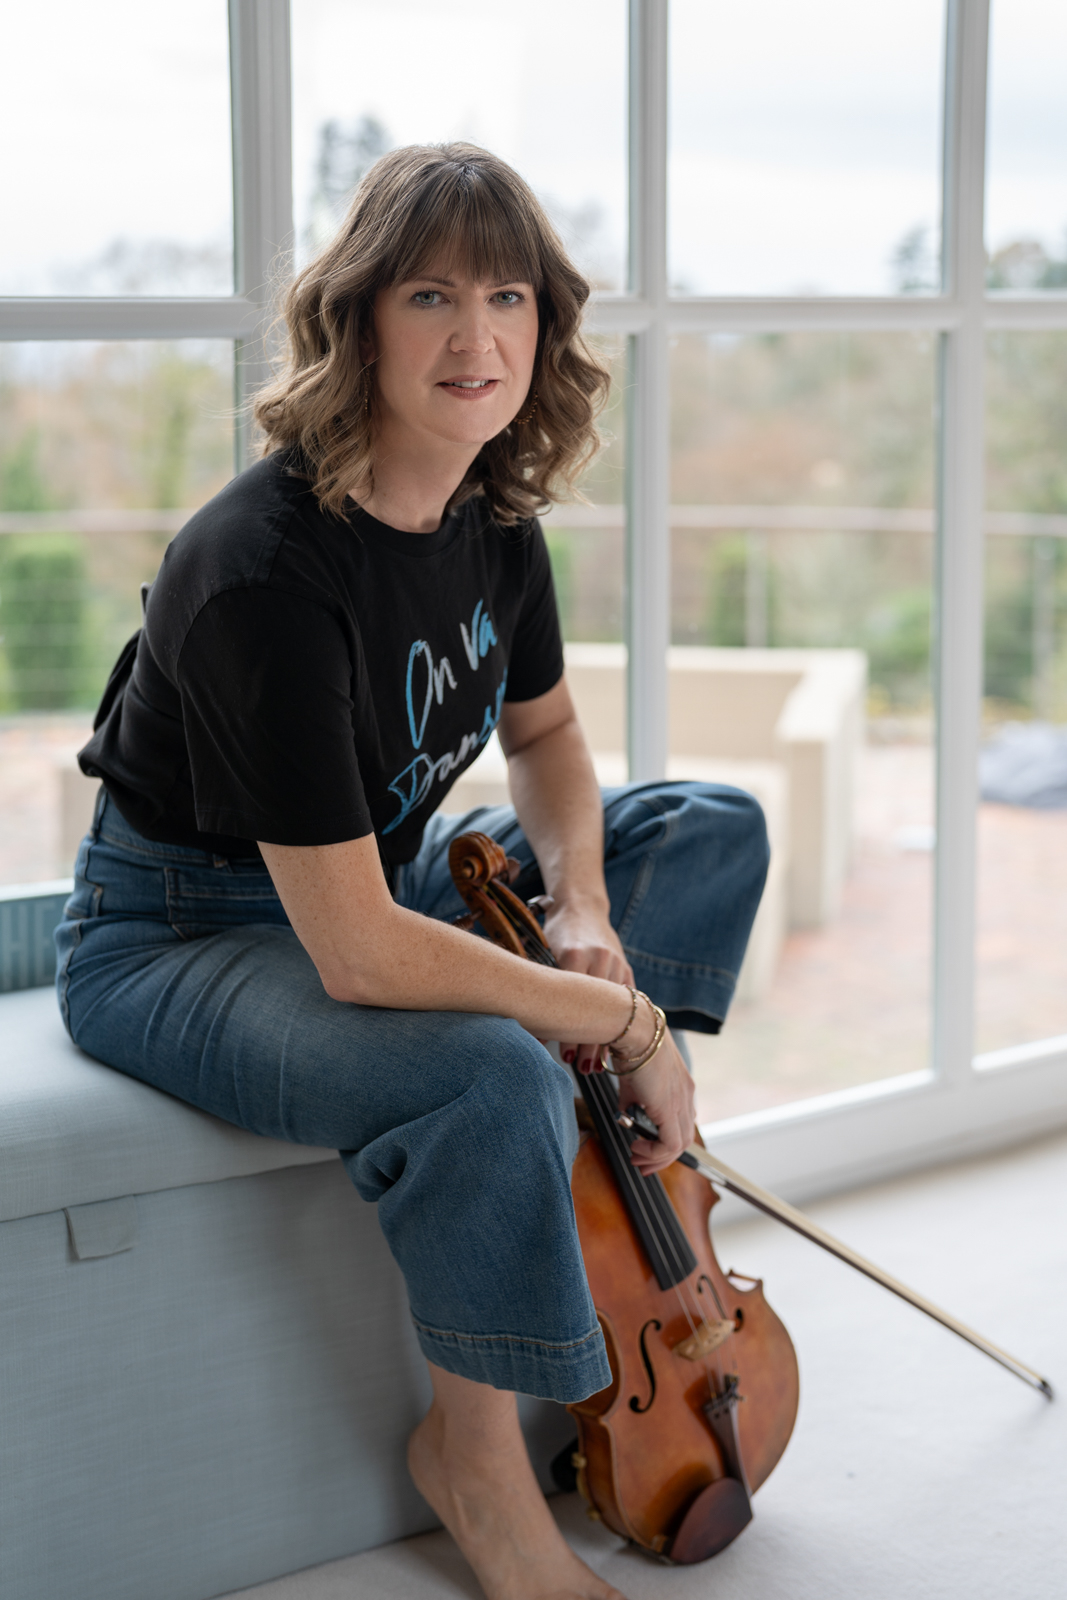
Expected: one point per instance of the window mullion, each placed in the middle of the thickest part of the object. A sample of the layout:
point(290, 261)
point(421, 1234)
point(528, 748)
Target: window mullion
point(960, 544)
point(262, 176)
point(648, 441)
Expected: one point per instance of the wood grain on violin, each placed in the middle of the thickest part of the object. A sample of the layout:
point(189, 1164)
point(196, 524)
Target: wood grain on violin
point(704, 1386)
point(651, 1450)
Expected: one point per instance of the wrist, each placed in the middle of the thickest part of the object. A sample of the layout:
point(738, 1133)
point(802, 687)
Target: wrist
point(642, 1033)
point(580, 902)
point(637, 1054)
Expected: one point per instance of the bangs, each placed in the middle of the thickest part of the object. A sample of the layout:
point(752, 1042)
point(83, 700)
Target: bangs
point(465, 225)
point(459, 211)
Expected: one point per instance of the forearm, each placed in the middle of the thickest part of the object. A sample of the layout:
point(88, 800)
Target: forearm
point(419, 964)
point(557, 801)
point(369, 951)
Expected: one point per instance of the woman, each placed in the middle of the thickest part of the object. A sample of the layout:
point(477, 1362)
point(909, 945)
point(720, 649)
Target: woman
point(260, 922)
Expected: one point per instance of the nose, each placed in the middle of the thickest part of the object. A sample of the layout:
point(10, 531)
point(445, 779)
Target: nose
point(472, 332)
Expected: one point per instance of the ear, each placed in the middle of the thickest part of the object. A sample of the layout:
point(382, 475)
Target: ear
point(367, 344)
point(368, 347)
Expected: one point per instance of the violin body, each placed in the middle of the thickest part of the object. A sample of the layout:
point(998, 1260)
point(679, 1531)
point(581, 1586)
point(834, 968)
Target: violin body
point(647, 1451)
point(704, 1385)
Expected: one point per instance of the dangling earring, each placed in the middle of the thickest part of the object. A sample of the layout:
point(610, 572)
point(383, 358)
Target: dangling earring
point(522, 421)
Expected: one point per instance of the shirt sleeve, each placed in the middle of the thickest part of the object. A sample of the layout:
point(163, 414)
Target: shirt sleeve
point(536, 661)
point(265, 680)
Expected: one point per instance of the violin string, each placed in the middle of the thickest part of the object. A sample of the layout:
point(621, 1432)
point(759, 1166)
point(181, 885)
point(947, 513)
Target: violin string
point(640, 1193)
point(642, 1200)
point(682, 1282)
point(660, 1228)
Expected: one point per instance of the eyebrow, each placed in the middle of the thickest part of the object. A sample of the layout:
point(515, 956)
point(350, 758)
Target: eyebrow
point(447, 283)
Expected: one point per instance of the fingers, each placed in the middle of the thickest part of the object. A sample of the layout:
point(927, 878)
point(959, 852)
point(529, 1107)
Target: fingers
point(648, 1157)
point(583, 1057)
point(595, 961)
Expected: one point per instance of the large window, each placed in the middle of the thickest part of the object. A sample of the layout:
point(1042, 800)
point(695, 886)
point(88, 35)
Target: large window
point(825, 553)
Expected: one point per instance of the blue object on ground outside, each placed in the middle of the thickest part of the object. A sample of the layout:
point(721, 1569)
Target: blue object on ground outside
point(1026, 765)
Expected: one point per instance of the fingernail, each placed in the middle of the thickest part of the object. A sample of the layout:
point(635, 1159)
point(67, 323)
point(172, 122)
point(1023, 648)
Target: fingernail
point(583, 1066)
point(568, 1056)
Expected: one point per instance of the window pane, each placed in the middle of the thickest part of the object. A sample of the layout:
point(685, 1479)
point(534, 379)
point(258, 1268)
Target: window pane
point(549, 97)
point(115, 123)
point(1026, 180)
point(802, 488)
point(587, 543)
point(805, 146)
point(103, 451)
point(1022, 861)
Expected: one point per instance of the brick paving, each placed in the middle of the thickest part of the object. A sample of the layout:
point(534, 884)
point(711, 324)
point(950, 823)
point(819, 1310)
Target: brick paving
point(31, 750)
point(850, 1002)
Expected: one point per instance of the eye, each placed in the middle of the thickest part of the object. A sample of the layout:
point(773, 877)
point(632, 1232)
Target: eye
point(509, 297)
point(426, 297)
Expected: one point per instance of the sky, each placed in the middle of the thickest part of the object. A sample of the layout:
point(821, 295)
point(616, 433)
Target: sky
point(804, 138)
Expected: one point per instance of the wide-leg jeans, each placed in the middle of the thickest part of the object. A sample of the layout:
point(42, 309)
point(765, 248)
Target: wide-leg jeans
point(181, 969)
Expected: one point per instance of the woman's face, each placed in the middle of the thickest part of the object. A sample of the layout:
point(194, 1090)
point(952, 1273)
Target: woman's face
point(454, 358)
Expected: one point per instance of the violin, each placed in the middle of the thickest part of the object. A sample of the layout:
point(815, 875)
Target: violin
point(704, 1382)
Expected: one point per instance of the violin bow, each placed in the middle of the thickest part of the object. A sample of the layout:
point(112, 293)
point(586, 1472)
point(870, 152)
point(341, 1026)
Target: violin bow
point(717, 1172)
point(481, 872)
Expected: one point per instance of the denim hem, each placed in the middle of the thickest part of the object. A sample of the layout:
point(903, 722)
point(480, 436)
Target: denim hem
point(683, 986)
point(552, 1371)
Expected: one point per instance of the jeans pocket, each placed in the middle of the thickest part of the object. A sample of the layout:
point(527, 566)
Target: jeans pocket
point(204, 900)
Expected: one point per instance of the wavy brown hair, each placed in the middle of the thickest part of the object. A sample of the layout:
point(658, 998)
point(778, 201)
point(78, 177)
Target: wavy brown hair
point(424, 207)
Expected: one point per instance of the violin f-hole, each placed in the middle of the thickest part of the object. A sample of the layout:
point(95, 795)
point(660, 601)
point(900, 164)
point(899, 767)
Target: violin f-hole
point(635, 1404)
point(704, 1279)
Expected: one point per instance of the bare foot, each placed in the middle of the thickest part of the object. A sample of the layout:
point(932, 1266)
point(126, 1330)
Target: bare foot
point(495, 1511)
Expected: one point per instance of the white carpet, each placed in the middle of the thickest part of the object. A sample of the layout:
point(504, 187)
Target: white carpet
point(918, 1468)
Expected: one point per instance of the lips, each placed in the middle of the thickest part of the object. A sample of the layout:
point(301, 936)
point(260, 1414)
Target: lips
point(469, 388)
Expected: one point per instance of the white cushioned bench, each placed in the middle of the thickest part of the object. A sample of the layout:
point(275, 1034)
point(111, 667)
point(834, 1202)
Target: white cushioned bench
point(207, 1367)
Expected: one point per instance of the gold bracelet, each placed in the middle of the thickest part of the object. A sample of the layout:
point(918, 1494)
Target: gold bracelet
point(635, 1063)
point(638, 994)
point(630, 1022)
point(653, 1049)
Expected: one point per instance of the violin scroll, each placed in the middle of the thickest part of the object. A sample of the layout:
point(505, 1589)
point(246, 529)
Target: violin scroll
point(481, 872)
point(475, 859)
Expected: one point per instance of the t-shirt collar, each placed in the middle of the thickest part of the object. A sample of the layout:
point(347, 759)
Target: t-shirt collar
point(407, 544)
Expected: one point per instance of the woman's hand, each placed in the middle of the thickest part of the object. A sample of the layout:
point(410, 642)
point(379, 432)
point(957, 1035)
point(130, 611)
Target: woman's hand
point(665, 1090)
point(582, 940)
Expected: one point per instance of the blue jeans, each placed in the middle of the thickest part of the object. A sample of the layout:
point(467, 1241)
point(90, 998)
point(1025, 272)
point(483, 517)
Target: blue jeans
point(180, 968)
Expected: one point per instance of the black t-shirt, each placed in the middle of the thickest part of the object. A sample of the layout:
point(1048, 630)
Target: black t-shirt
point(305, 679)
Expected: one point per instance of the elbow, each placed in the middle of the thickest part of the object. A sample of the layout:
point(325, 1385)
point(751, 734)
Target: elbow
point(362, 968)
point(350, 988)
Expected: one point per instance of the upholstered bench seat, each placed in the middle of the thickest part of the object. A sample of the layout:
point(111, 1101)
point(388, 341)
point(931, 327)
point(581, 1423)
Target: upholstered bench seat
point(207, 1366)
point(73, 1131)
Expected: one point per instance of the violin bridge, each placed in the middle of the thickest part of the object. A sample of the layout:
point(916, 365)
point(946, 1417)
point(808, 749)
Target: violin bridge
point(708, 1337)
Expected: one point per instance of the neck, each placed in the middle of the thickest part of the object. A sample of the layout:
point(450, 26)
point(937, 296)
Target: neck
point(414, 479)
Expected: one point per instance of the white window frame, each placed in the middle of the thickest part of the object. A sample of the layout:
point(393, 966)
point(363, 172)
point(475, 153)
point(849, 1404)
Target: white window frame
point(958, 1105)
